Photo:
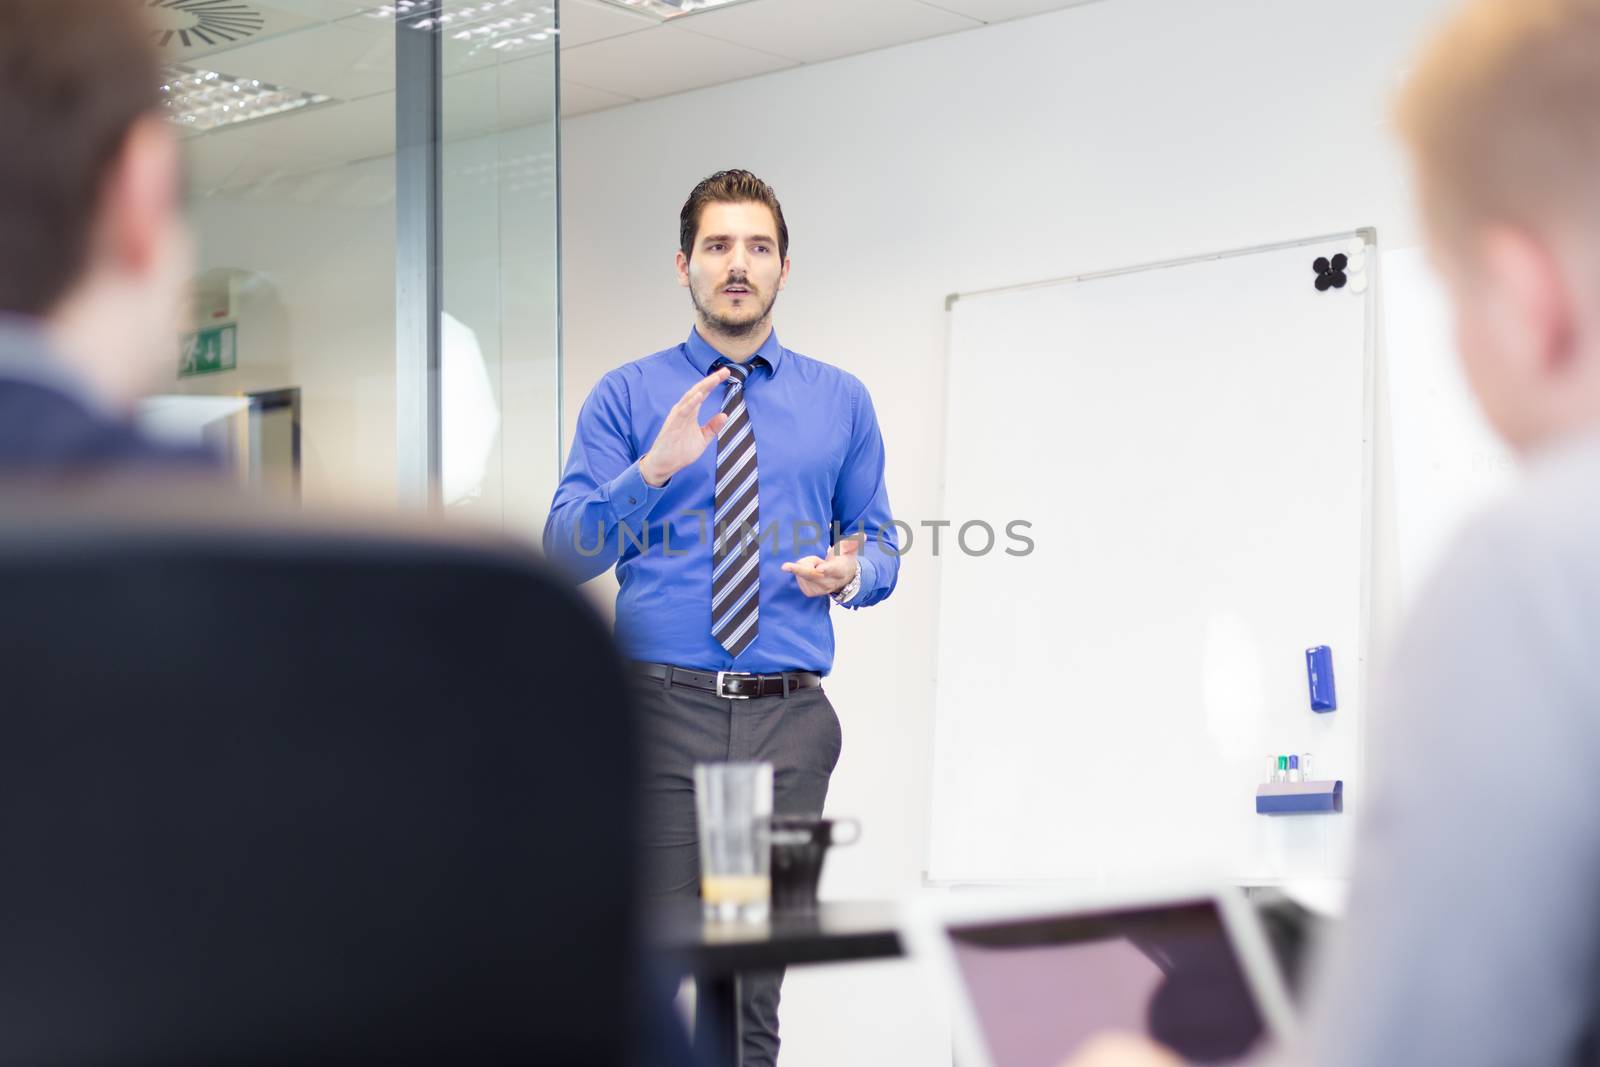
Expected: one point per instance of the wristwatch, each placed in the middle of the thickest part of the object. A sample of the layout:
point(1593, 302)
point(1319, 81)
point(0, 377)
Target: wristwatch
point(840, 596)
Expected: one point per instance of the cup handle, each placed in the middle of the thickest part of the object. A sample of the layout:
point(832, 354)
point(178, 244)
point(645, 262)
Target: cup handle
point(855, 831)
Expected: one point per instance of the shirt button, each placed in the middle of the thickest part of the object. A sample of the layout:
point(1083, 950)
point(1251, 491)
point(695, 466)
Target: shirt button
point(632, 501)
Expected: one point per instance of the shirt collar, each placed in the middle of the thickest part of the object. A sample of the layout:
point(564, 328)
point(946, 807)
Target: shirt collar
point(702, 355)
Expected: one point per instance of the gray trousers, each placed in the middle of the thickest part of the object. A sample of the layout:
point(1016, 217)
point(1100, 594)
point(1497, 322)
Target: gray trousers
point(797, 733)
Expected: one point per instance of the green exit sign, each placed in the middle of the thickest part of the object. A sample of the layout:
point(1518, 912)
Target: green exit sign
point(210, 351)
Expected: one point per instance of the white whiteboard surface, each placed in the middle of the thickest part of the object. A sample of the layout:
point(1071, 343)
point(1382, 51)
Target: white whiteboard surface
point(1448, 462)
point(1190, 444)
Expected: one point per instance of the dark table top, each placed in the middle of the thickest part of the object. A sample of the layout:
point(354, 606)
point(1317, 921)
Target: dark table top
point(835, 932)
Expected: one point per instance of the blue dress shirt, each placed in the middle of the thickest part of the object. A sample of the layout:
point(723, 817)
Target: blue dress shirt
point(820, 457)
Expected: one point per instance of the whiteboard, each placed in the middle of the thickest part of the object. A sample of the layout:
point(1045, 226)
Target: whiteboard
point(1190, 443)
point(1448, 462)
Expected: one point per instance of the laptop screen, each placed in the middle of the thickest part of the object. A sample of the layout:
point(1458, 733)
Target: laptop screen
point(1041, 987)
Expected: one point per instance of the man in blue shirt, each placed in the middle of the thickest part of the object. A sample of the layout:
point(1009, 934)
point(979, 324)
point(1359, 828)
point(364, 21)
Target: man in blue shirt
point(711, 474)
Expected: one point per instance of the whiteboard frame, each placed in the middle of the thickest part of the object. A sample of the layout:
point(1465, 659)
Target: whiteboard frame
point(1368, 235)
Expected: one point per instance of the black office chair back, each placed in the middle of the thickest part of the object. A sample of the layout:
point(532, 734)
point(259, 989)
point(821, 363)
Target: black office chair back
point(307, 797)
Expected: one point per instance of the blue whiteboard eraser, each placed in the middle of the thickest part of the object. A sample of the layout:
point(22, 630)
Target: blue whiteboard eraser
point(1319, 675)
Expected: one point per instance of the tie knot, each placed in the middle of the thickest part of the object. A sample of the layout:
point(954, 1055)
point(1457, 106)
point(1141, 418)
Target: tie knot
point(737, 372)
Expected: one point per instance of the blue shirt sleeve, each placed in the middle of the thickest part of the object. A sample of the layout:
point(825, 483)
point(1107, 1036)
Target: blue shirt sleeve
point(861, 503)
point(601, 488)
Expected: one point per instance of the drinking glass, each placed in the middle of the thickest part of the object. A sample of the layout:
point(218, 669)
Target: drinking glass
point(733, 802)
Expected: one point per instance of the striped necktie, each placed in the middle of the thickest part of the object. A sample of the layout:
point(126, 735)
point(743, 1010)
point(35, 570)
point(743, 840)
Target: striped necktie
point(736, 570)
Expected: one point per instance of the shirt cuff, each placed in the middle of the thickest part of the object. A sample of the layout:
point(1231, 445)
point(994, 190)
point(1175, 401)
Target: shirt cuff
point(869, 578)
point(630, 494)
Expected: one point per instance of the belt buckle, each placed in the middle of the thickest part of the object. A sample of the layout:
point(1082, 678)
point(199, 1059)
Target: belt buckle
point(733, 696)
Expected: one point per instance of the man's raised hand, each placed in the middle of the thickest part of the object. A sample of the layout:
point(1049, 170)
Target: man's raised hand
point(682, 439)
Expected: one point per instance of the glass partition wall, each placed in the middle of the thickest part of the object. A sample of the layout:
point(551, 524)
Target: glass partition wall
point(374, 191)
point(501, 290)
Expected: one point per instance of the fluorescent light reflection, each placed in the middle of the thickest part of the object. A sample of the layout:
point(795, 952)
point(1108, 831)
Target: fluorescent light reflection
point(671, 9)
point(203, 100)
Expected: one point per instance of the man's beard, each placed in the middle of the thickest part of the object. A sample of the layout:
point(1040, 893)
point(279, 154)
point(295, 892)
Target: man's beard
point(732, 327)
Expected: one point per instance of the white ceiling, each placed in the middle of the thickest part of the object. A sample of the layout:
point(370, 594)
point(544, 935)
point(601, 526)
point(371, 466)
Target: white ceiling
point(610, 56)
point(625, 56)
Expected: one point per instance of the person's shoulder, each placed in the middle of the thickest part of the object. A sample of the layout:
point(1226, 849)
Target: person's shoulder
point(666, 359)
point(1528, 558)
point(43, 429)
point(36, 418)
point(39, 396)
point(1547, 523)
point(642, 369)
point(821, 372)
point(1504, 621)
point(1556, 508)
point(616, 390)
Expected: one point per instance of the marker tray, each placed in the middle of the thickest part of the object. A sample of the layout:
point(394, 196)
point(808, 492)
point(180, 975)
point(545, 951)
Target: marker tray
point(1300, 798)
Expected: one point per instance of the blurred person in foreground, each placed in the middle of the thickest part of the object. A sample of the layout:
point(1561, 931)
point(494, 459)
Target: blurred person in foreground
point(95, 257)
point(1473, 930)
point(94, 253)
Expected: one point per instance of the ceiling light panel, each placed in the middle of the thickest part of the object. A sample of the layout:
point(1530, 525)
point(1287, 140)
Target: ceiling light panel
point(201, 100)
point(671, 9)
point(480, 25)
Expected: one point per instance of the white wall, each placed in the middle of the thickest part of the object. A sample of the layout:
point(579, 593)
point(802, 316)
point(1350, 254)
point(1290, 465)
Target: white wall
point(1123, 132)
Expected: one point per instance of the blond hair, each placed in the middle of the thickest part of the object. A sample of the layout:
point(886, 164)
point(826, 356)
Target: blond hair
point(1502, 116)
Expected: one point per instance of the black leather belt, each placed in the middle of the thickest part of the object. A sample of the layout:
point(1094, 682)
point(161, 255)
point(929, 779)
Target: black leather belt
point(735, 685)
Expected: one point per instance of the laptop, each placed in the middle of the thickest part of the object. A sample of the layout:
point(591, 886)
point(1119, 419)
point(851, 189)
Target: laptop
point(1031, 979)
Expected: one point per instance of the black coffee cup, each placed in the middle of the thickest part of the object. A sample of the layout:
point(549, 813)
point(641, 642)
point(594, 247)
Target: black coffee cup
point(799, 845)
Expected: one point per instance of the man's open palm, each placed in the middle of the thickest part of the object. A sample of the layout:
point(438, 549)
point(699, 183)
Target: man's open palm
point(819, 577)
point(682, 439)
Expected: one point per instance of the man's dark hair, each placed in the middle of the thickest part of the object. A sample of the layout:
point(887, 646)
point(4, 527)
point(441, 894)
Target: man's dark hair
point(729, 187)
point(75, 77)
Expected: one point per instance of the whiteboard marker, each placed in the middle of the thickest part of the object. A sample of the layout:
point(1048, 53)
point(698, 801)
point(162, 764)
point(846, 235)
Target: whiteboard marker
point(1294, 768)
